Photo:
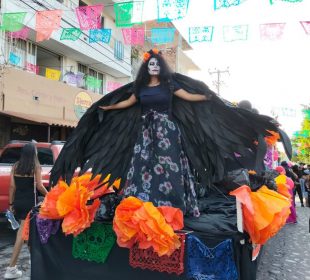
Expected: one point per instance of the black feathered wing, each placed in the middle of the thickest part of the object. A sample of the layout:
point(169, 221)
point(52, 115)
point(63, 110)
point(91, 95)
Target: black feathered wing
point(102, 140)
point(213, 131)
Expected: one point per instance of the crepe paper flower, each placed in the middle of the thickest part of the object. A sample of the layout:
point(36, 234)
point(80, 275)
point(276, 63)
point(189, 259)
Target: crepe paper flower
point(264, 212)
point(25, 233)
point(71, 203)
point(282, 185)
point(155, 51)
point(273, 138)
point(173, 216)
point(81, 217)
point(146, 56)
point(48, 207)
point(141, 222)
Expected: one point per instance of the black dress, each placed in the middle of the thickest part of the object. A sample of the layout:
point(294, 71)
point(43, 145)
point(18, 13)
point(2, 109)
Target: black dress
point(24, 196)
point(159, 171)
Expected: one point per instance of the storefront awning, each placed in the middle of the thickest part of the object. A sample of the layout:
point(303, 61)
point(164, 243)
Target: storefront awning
point(40, 119)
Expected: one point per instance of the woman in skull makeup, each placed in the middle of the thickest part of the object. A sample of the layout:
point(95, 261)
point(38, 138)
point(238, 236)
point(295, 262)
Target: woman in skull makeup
point(150, 132)
point(159, 170)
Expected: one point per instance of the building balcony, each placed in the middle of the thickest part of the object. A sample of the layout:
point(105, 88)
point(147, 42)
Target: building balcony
point(103, 57)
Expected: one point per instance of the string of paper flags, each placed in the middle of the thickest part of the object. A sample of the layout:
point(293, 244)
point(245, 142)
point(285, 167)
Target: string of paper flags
point(128, 15)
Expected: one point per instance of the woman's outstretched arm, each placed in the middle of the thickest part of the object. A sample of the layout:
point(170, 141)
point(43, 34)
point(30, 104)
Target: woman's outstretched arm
point(190, 97)
point(121, 105)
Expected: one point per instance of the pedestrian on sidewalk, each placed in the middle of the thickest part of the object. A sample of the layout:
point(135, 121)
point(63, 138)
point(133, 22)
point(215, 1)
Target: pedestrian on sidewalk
point(291, 174)
point(306, 177)
point(298, 188)
point(26, 179)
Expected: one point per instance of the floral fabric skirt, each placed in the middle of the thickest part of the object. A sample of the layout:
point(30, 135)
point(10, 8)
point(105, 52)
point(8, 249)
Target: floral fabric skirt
point(159, 171)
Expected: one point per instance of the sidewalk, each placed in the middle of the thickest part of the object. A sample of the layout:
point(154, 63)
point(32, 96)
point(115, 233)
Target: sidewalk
point(7, 238)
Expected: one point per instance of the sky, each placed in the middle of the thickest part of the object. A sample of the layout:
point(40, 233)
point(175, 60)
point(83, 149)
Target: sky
point(272, 75)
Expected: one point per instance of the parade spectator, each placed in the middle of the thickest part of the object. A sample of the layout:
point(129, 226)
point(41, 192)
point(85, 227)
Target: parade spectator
point(298, 189)
point(25, 179)
point(290, 173)
point(306, 177)
point(245, 104)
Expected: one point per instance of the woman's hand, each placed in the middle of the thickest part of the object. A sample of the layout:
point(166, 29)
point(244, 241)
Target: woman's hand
point(11, 208)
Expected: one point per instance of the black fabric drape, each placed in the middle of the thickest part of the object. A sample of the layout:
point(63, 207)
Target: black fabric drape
point(218, 222)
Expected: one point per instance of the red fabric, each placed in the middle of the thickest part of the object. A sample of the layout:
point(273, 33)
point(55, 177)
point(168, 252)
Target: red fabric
point(148, 259)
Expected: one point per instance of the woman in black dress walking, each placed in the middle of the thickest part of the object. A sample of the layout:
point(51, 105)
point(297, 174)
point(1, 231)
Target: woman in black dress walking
point(25, 175)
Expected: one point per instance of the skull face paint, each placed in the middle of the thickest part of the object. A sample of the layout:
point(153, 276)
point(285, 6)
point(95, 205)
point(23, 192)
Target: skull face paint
point(153, 66)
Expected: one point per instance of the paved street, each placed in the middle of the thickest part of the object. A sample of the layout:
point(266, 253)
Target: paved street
point(285, 257)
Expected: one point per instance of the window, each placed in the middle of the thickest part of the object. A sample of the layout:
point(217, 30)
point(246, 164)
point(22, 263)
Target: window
point(48, 59)
point(11, 155)
point(84, 70)
point(18, 48)
point(102, 78)
point(31, 53)
point(92, 73)
point(119, 50)
point(97, 76)
point(45, 156)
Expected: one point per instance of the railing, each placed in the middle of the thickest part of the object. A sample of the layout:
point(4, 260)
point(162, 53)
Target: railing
point(69, 19)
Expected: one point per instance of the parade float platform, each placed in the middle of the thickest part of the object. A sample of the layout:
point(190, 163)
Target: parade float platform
point(54, 260)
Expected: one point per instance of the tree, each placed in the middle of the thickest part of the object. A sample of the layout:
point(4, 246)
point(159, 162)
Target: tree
point(301, 140)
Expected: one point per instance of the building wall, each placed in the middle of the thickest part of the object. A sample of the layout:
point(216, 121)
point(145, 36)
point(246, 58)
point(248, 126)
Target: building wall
point(5, 127)
point(173, 52)
point(100, 54)
point(37, 95)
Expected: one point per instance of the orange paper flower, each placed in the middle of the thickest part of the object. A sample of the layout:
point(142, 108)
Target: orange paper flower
point(141, 222)
point(173, 216)
point(71, 202)
point(25, 233)
point(48, 208)
point(155, 51)
point(146, 56)
point(273, 138)
point(264, 212)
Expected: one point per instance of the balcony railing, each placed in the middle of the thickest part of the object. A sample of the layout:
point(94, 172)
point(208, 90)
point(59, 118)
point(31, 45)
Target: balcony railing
point(109, 54)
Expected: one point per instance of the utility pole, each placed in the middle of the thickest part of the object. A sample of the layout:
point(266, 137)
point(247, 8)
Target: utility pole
point(218, 82)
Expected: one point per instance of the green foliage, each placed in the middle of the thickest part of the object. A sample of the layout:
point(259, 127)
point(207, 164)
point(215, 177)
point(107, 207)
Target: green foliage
point(301, 140)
